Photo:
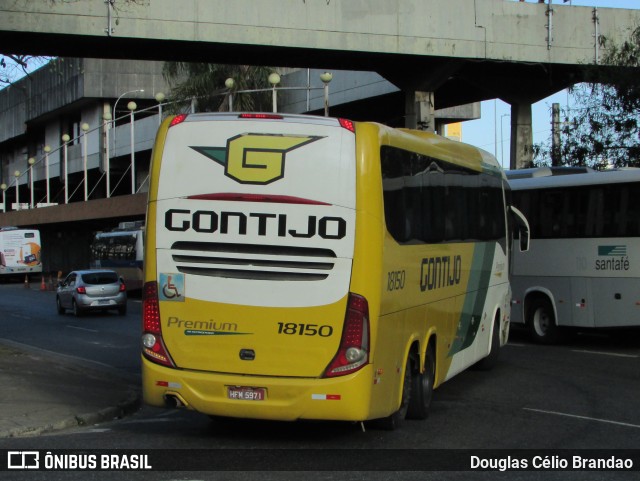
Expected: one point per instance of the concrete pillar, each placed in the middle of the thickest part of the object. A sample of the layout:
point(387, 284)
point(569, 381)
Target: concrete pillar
point(521, 136)
point(419, 111)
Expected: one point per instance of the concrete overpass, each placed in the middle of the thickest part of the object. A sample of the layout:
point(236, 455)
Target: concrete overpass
point(439, 52)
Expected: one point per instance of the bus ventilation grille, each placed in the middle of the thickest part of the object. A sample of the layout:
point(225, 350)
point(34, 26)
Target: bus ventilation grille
point(250, 261)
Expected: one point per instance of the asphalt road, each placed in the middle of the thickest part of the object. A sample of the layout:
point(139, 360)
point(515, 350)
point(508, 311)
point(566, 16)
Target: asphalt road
point(579, 395)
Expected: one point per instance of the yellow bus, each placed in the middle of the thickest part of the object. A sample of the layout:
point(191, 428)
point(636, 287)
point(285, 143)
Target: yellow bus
point(301, 267)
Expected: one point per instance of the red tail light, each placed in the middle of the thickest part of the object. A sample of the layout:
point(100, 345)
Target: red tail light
point(353, 352)
point(153, 347)
point(122, 287)
point(81, 290)
point(347, 124)
point(178, 119)
point(261, 116)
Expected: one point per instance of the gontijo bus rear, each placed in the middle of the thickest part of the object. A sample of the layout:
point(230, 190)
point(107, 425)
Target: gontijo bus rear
point(275, 288)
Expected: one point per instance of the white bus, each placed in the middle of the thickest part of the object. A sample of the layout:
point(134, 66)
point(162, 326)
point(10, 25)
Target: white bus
point(121, 250)
point(20, 251)
point(583, 267)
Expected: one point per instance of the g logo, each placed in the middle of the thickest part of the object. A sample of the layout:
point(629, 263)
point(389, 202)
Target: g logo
point(256, 158)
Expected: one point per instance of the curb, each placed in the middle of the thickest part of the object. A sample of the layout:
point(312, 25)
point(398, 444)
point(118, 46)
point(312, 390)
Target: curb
point(124, 408)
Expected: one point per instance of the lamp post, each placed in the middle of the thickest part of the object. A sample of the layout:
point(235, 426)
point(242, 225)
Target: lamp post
point(115, 116)
point(85, 129)
point(501, 139)
point(274, 80)
point(160, 98)
point(16, 174)
point(132, 107)
point(106, 115)
point(47, 149)
point(326, 78)
point(3, 187)
point(31, 161)
point(65, 139)
point(230, 83)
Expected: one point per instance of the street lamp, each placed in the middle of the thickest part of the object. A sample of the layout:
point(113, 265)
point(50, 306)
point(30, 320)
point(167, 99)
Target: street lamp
point(115, 116)
point(31, 161)
point(501, 139)
point(132, 107)
point(326, 77)
point(85, 129)
point(274, 80)
point(106, 115)
point(230, 83)
point(65, 139)
point(47, 149)
point(3, 187)
point(160, 98)
point(16, 174)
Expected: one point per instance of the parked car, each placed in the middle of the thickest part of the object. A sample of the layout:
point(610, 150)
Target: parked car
point(92, 290)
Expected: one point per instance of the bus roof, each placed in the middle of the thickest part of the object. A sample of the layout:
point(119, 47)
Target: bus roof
point(550, 177)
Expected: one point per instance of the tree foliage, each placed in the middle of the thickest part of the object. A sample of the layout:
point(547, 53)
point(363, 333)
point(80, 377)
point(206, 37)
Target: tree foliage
point(15, 67)
point(602, 127)
point(205, 83)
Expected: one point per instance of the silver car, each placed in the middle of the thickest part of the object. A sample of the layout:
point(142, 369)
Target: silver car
point(92, 290)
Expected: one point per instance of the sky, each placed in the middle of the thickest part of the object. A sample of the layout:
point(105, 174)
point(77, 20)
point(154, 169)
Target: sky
point(495, 122)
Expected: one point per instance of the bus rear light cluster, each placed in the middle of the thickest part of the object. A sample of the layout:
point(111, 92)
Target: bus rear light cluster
point(353, 352)
point(153, 347)
point(178, 119)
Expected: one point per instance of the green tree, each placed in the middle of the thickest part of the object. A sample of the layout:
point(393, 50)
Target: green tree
point(15, 67)
point(205, 82)
point(602, 127)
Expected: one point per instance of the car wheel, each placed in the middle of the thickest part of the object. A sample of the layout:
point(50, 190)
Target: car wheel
point(61, 310)
point(542, 322)
point(76, 309)
point(122, 311)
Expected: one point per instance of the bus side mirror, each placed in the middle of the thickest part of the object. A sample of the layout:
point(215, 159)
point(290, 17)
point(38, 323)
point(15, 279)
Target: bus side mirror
point(522, 228)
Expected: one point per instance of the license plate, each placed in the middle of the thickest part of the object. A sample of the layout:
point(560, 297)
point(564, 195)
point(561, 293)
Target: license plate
point(245, 393)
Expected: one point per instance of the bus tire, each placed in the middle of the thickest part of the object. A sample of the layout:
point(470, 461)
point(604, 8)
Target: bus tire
point(395, 420)
point(422, 387)
point(491, 360)
point(541, 321)
point(61, 310)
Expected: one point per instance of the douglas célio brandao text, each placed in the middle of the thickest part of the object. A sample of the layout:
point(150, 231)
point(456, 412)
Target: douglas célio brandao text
point(555, 462)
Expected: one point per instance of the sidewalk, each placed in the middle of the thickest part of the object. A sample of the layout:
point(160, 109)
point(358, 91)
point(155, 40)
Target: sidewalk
point(42, 392)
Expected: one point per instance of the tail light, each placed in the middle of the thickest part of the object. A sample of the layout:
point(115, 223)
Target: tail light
point(123, 287)
point(353, 352)
point(153, 347)
point(81, 290)
point(178, 119)
point(347, 124)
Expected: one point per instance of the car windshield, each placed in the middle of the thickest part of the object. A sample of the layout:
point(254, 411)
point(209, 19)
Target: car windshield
point(100, 278)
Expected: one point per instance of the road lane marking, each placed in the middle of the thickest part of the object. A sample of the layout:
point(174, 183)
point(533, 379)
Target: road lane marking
point(601, 353)
point(606, 421)
point(19, 316)
point(81, 328)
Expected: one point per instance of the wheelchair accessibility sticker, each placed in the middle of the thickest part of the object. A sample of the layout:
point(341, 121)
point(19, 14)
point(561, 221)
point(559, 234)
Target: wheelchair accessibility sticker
point(171, 287)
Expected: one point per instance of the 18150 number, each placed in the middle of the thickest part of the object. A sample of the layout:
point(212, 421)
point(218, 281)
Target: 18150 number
point(292, 329)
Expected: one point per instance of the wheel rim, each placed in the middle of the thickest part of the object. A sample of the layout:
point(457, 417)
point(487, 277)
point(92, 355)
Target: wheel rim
point(541, 322)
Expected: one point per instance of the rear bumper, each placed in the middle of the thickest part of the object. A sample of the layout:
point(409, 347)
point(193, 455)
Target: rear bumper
point(287, 399)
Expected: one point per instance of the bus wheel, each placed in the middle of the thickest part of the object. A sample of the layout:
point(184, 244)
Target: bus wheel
point(395, 420)
point(422, 388)
point(542, 322)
